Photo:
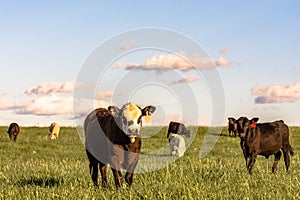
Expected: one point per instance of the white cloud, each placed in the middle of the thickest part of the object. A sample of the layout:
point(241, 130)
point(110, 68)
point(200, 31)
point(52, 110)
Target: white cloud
point(277, 93)
point(47, 105)
point(177, 61)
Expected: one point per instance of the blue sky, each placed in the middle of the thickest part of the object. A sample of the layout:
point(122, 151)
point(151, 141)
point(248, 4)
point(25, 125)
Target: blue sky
point(44, 45)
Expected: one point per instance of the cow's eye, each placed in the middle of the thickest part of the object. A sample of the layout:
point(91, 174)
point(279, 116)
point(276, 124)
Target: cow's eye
point(124, 120)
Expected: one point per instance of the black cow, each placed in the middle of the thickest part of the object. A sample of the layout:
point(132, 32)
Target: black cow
point(178, 128)
point(13, 131)
point(112, 136)
point(232, 127)
point(264, 139)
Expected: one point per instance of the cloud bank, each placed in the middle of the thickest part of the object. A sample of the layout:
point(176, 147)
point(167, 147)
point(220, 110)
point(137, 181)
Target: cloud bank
point(53, 98)
point(178, 61)
point(276, 93)
point(52, 87)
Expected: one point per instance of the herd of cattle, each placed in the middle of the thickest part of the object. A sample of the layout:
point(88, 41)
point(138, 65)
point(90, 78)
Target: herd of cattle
point(112, 137)
point(14, 130)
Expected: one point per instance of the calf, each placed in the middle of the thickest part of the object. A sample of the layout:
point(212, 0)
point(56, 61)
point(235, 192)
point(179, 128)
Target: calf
point(54, 130)
point(232, 126)
point(178, 128)
point(13, 131)
point(112, 136)
point(177, 145)
point(264, 139)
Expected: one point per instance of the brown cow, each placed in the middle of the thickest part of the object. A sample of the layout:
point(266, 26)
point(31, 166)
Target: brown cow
point(264, 139)
point(112, 136)
point(13, 131)
point(232, 127)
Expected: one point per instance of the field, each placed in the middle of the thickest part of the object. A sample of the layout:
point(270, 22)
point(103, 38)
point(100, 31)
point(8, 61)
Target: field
point(36, 168)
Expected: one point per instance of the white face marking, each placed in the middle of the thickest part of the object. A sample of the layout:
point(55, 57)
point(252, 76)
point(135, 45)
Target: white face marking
point(131, 119)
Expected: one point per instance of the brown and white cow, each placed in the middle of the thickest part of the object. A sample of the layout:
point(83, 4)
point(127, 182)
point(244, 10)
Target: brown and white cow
point(178, 128)
point(264, 139)
point(54, 130)
point(112, 136)
point(232, 127)
point(13, 131)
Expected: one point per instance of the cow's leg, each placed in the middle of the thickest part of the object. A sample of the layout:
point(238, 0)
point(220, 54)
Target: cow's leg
point(118, 177)
point(93, 167)
point(276, 160)
point(94, 172)
point(103, 168)
point(129, 178)
point(286, 154)
point(132, 161)
point(251, 162)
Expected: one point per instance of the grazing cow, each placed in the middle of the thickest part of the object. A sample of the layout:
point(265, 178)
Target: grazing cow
point(177, 145)
point(112, 136)
point(54, 130)
point(232, 127)
point(178, 128)
point(264, 139)
point(13, 131)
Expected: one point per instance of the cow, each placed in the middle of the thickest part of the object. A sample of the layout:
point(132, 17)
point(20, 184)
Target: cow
point(178, 128)
point(54, 130)
point(264, 139)
point(177, 145)
point(112, 136)
point(232, 127)
point(13, 131)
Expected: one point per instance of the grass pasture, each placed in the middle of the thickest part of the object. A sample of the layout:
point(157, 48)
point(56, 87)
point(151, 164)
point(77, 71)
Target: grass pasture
point(36, 168)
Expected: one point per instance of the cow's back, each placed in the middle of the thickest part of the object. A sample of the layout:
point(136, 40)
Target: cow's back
point(13, 127)
point(273, 136)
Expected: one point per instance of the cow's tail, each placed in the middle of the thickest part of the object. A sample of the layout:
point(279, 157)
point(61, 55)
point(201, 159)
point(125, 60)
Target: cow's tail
point(291, 150)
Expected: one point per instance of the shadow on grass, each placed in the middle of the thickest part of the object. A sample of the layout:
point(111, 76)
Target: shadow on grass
point(40, 181)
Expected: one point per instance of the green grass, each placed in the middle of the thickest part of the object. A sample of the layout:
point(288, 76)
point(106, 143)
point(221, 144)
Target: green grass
point(36, 168)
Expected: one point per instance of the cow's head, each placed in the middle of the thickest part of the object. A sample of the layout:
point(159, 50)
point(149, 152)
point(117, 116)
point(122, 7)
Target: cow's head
point(53, 136)
point(231, 121)
point(244, 124)
point(129, 118)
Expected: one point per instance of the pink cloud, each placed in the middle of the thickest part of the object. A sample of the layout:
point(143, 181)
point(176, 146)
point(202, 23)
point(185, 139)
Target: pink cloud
point(127, 45)
point(103, 95)
point(277, 93)
point(177, 61)
point(225, 51)
point(118, 65)
point(222, 62)
point(55, 87)
point(189, 79)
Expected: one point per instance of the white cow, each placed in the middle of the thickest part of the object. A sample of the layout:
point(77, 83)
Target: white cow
point(54, 130)
point(177, 145)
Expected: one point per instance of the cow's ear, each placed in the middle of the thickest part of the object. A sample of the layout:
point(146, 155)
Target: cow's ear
point(148, 110)
point(114, 111)
point(231, 119)
point(255, 119)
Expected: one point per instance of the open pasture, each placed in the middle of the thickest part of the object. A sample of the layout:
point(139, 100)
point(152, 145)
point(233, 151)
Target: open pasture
point(35, 167)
